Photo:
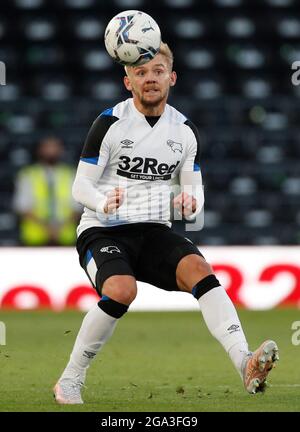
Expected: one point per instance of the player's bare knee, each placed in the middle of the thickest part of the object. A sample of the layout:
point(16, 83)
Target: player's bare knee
point(203, 267)
point(122, 289)
point(190, 270)
point(193, 262)
point(117, 294)
point(124, 295)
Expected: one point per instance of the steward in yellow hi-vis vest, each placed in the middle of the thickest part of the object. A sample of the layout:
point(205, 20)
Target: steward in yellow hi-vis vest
point(43, 199)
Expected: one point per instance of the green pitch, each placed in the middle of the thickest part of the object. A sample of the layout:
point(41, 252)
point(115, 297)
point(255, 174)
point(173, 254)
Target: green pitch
point(154, 362)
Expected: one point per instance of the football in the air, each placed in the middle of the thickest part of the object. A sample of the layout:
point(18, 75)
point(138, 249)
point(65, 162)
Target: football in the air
point(132, 38)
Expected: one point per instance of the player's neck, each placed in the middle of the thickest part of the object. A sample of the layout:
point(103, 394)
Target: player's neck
point(151, 111)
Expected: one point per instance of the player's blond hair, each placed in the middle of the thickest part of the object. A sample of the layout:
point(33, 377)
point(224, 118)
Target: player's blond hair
point(164, 50)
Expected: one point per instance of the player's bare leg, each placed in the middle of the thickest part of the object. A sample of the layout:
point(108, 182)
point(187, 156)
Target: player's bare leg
point(97, 327)
point(196, 276)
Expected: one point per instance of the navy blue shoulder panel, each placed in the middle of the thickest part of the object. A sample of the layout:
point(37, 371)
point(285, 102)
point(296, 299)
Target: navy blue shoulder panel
point(97, 132)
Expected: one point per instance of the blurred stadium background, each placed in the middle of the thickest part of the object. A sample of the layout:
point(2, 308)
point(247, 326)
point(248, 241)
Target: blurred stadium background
point(233, 58)
point(234, 62)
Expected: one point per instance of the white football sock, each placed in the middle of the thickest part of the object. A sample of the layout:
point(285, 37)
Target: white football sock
point(97, 327)
point(223, 322)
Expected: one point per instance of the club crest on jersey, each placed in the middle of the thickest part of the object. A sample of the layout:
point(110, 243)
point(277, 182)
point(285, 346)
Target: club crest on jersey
point(174, 146)
point(127, 143)
point(110, 249)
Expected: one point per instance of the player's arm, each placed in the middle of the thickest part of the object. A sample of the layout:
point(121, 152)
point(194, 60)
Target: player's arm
point(191, 199)
point(93, 160)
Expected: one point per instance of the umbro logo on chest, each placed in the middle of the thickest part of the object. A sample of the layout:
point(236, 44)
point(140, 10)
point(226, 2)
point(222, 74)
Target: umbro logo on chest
point(126, 143)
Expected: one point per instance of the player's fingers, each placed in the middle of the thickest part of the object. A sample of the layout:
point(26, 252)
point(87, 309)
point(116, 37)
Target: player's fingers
point(188, 210)
point(121, 199)
point(194, 204)
point(115, 192)
point(185, 195)
point(187, 200)
point(113, 200)
point(188, 203)
point(114, 196)
point(120, 190)
point(110, 194)
point(111, 207)
point(178, 200)
point(113, 203)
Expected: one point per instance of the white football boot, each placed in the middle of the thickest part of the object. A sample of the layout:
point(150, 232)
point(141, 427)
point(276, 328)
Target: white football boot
point(67, 391)
point(257, 365)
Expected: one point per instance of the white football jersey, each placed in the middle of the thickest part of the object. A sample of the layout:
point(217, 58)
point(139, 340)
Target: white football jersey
point(143, 155)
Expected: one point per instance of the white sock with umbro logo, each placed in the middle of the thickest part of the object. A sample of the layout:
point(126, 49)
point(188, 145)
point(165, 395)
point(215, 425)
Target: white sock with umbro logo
point(223, 322)
point(96, 328)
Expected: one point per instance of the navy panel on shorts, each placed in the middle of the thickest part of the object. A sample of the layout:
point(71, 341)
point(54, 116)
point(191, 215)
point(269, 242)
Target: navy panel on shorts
point(148, 251)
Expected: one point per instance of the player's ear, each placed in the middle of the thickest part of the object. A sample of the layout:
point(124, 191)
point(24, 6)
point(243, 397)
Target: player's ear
point(127, 83)
point(173, 78)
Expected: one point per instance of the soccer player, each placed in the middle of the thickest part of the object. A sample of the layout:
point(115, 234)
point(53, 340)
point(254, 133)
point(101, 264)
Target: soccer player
point(132, 153)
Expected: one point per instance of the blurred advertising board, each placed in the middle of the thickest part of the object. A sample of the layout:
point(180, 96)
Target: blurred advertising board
point(254, 277)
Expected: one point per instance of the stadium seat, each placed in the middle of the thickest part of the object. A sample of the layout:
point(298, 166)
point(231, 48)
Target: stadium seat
point(240, 27)
point(39, 30)
point(228, 3)
point(79, 4)
point(29, 4)
point(88, 28)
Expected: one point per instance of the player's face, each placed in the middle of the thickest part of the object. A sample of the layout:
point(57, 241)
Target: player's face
point(150, 83)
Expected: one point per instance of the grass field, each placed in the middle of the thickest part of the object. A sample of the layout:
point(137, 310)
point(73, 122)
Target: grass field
point(155, 362)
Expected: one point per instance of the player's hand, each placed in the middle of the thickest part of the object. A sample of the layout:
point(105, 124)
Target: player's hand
point(115, 199)
point(185, 204)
